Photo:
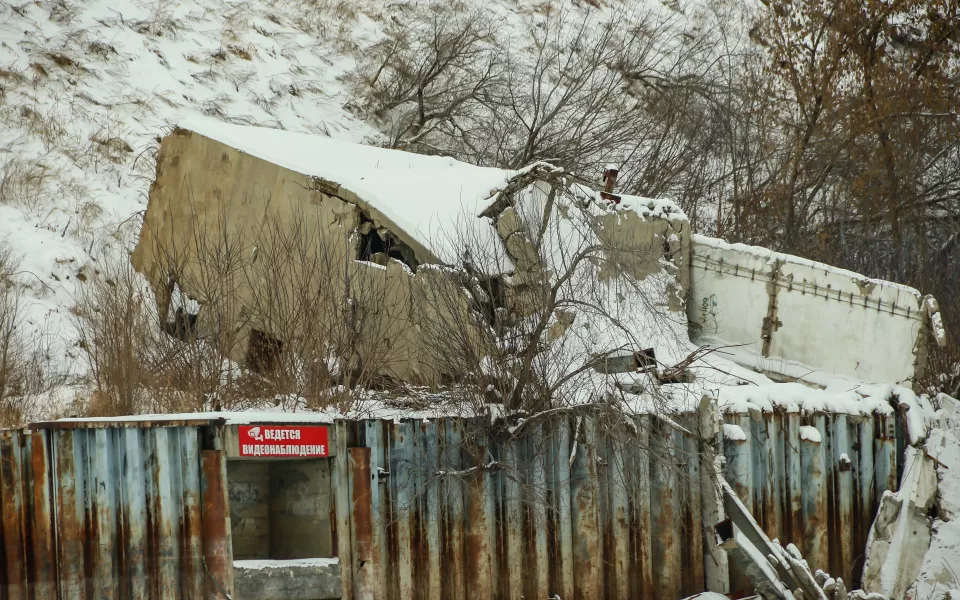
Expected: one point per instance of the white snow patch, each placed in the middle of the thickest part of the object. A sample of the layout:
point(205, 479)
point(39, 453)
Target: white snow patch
point(810, 434)
point(940, 570)
point(733, 433)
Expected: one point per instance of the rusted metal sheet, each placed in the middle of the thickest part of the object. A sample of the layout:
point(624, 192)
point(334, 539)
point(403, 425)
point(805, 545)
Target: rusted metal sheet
point(618, 531)
point(13, 576)
point(374, 436)
point(217, 547)
point(842, 550)
point(191, 516)
point(813, 542)
point(539, 576)
point(868, 505)
point(478, 546)
point(739, 473)
point(341, 518)
point(792, 501)
point(430, 547)
point(102, 513)
point(42, 574)
point(564, 504)
point(366, 579)
point(587, 572)
point(642, 584)
point(693, 515)
point(665, 509)
point(452, 508)
point(512, 522)
point(404, 505)
point(452, 504)
point(818, 491)
point(133, 505)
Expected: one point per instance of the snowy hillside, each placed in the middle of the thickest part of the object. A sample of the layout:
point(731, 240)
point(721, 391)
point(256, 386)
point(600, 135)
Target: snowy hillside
point(88, 87)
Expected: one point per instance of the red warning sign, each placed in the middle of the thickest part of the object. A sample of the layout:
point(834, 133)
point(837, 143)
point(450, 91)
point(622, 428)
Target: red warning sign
point(283, 441)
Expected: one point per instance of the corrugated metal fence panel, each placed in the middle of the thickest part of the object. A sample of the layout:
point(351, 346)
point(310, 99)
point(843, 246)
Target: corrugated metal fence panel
point(101, 513)
point(820, 495)
point(27, 566)
point(561, 508)
point(129, 512)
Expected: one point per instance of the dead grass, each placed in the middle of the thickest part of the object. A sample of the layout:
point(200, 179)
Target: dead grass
point(137, 368)
point(26, 366)
point(24, 183)
point(62, 60)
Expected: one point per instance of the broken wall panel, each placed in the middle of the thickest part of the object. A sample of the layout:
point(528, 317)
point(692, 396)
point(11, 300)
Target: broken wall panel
point(765, 301)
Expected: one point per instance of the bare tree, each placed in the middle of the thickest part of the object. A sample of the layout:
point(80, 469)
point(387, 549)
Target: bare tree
point(582, 293)
point(430, 71)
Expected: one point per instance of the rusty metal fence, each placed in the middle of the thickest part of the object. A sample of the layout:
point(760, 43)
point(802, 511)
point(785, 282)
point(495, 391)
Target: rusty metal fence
point(434, 509)
point(572, 511)
point(573, 507)
point(110, 512)
point(814, 480)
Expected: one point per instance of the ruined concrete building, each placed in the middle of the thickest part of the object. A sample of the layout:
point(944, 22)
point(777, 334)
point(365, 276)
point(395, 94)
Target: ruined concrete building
point(785, 441)
point(247, 221)
point(369, 225)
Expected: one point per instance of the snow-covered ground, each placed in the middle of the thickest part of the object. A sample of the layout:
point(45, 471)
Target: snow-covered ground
point(940, 573)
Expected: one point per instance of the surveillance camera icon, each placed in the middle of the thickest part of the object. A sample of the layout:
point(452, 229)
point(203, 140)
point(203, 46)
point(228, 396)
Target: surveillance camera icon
point(256, 434)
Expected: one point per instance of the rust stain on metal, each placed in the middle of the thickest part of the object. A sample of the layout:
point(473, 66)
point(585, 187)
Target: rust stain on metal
point(587, 573)
point(217, 554)
point(42, 572)
point(366, 554)
point(477, 550)
point(11, 493)
point(621, 524)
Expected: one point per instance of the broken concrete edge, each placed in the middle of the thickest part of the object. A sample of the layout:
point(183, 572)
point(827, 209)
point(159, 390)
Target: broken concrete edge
point(900, 535)
point(758, 568)
point(775, 571)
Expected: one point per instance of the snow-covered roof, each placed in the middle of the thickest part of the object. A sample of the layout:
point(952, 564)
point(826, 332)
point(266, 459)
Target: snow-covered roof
point(422, 195)
point(435, 200)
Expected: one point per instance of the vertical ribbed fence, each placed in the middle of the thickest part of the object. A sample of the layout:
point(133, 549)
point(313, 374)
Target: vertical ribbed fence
point(579, 505)
point(106, 513)
point(567, 507)
point(813, 479)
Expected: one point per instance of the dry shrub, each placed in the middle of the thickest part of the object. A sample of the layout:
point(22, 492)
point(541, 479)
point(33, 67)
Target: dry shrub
point(26, 371)
point(23, 183)
point(117, 333)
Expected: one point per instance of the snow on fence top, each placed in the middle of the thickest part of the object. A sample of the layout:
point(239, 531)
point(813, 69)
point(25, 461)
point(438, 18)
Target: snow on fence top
point(859, 400)
point(796, 397)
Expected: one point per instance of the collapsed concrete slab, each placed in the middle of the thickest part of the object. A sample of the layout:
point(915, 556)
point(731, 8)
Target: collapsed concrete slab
point(901, 532)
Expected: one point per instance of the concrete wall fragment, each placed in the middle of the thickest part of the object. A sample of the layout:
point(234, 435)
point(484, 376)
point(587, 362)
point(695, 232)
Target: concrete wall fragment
point(787, 310)
point(901, 532)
